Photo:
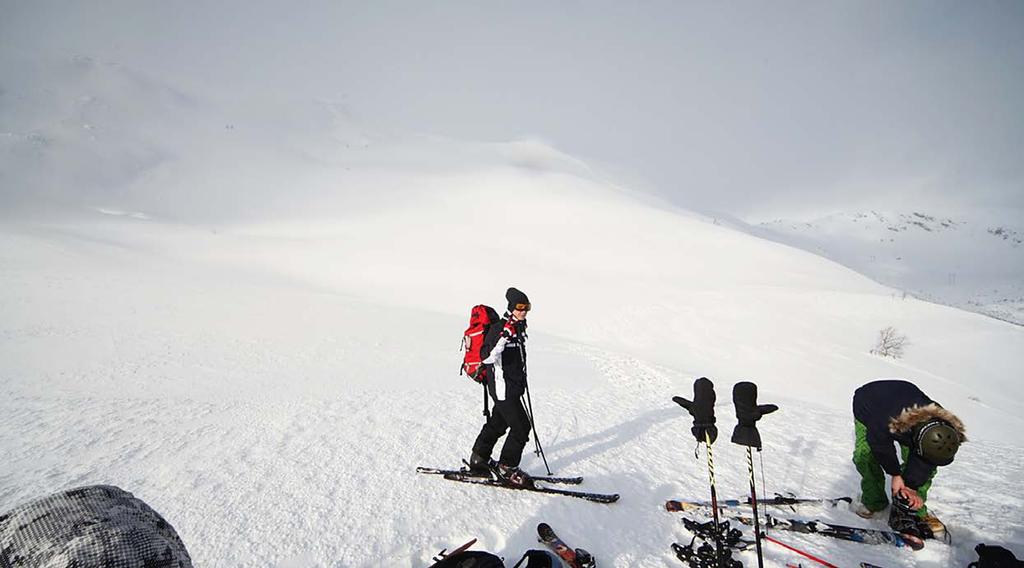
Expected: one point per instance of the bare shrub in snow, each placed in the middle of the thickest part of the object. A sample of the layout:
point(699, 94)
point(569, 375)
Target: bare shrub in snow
point(890, 343)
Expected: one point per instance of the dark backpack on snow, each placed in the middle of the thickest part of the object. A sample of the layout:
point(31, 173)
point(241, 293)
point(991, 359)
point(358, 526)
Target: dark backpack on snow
point(476, 559)
point(995, 557)
point(471, 559)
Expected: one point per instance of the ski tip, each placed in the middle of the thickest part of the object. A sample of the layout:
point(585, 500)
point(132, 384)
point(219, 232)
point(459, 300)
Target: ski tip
point(545, 532)
point(674, 506)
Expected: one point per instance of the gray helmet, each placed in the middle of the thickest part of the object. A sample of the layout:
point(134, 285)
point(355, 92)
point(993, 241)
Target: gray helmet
point(936, 442)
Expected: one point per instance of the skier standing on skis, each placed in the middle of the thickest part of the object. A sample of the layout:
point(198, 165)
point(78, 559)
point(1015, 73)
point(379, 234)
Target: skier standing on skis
point(504, 354)
point(896, 411)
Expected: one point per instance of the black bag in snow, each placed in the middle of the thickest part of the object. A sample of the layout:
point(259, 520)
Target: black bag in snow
point(470, 559)
point(99, 525)
point(995, 557)
point(536, 559)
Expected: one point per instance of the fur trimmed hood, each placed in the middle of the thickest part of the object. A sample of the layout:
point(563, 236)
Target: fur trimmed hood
point(914, 415)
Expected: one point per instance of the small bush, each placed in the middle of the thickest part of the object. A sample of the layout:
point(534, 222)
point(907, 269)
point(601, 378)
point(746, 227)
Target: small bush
point(890, 343)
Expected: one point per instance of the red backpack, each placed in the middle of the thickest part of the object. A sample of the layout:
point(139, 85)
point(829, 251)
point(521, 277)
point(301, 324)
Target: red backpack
point(480, 320)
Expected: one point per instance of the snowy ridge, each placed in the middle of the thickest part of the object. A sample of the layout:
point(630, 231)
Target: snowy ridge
point(972, 260)
point(266, 368)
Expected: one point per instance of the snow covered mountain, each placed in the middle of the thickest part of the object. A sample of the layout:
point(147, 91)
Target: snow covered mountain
point(247, 313)
point(972, 260)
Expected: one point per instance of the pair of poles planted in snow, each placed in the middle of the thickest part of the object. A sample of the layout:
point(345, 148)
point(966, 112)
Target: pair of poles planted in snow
point(748, 412)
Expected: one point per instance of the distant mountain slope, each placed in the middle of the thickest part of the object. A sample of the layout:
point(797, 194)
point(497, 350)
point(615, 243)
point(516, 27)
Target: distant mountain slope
point(973, 260)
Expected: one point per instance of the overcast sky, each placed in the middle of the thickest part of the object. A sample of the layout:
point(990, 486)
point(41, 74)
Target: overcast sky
point(754, 108)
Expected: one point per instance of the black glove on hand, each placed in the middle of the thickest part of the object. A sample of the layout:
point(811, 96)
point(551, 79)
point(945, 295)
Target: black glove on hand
point(702, 408)
point(744, 396)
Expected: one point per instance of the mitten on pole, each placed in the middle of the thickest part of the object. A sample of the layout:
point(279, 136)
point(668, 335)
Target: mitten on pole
point(748, 412)
point(702, 408)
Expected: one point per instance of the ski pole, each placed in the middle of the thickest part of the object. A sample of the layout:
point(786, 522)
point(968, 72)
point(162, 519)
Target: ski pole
point(796, 550)
point(748, 412)
point(529, 404)
point(702, 409)
point(533, 424)
point(714, 500)
point(753, 504)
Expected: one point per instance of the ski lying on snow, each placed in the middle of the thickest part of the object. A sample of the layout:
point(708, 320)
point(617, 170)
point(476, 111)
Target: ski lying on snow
point(466, 473)
point(575, 558)
point(684, 505)
point(853, 534)
point(595, 497)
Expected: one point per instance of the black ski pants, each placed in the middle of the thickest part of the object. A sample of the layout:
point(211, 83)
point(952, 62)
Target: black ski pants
point(506, 415)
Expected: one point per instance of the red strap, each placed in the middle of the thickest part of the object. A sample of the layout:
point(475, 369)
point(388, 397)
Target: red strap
point(798, 551)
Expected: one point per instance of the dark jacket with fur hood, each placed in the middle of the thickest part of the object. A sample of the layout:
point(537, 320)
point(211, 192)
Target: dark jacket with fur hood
point(889, 410)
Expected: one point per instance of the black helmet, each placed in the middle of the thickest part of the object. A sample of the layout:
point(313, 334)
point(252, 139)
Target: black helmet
point(936, 441)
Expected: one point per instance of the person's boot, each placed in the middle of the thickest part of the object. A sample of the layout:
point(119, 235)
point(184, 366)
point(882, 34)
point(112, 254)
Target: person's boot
point(903, 519)
point(514, 476)
point(931, 527)
point(479, 465)
point(862, 510)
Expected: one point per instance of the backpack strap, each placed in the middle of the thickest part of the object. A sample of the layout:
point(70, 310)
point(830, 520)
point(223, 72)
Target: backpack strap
point(487, 411)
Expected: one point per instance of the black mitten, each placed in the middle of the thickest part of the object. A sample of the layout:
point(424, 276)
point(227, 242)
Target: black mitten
point(748, 412)
point(702, 408)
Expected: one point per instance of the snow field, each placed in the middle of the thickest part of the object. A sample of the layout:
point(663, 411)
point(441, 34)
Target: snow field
point(276, 422)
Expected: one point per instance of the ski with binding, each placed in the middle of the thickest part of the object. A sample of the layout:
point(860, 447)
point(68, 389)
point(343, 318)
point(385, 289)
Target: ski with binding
point(680, 505)
point(463, 472)
point(594, 497)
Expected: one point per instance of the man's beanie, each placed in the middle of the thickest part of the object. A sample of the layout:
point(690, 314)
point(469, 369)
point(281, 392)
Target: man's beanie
point(515, 297)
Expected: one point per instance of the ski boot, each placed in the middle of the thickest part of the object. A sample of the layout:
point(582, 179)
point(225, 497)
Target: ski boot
point(514, 476)
point(480, 465)
point(931, 527)
point(903, 519)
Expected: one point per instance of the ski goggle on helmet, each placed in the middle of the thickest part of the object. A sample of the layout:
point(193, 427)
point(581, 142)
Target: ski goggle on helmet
point(936, 442)
point(522, 307)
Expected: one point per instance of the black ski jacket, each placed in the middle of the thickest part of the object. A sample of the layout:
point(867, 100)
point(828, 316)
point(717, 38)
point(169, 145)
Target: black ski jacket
point(513, 357)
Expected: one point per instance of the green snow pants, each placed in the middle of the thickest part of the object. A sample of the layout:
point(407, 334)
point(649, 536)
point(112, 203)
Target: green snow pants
point(873, 488)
